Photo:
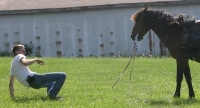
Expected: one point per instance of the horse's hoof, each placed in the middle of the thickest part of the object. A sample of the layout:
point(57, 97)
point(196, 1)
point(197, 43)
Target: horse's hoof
point(193, 98)
point(176, 96)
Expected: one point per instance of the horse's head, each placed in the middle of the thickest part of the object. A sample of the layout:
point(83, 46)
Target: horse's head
point(139, 28)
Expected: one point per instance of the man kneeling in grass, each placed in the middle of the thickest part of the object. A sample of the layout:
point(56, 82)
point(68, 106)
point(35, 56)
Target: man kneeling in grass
point(19, 69)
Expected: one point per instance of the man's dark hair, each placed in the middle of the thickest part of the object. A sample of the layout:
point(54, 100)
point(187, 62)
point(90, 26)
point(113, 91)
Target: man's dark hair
point(16, 48)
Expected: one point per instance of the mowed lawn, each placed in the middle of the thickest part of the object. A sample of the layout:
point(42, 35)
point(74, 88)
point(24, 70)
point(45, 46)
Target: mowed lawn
point(89, 82)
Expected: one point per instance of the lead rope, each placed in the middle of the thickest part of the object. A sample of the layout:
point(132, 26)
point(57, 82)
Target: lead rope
point(132, 57)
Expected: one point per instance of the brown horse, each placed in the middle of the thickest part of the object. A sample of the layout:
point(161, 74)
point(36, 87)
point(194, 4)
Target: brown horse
point(170, 32)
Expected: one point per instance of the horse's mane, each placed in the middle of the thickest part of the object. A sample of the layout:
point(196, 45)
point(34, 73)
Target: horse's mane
point(134, 16)
point(153, 12)
point(152, 16)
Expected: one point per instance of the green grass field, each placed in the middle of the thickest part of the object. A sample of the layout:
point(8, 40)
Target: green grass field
point(89, 82)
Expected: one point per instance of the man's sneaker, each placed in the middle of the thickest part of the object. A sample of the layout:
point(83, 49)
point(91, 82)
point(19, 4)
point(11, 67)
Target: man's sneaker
point(55, 98)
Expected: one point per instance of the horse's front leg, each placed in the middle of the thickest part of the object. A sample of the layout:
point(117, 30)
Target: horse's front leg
point(189, 80)
point(179, 78)
point(183, 68)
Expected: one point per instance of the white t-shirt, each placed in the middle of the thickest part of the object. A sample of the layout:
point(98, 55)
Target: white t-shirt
point(20, 71)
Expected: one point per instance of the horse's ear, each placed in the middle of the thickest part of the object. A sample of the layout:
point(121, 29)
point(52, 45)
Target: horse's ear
point(145, 9)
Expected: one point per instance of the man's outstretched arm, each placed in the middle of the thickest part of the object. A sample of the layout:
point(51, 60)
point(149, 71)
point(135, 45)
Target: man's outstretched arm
point(27, 62)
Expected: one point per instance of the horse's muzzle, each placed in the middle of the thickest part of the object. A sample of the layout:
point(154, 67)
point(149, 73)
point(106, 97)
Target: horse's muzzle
point(132, 37)
point(139, 38)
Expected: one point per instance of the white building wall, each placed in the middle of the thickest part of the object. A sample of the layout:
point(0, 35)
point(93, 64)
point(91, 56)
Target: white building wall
point(89, 32)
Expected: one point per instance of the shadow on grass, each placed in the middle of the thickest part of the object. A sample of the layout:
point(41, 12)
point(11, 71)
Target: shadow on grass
point(28, 99)
point(158, 102)
point(174, 102)
point(180, 101)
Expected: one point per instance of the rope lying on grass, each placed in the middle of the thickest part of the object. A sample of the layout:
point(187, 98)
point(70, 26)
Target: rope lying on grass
point(132, 57)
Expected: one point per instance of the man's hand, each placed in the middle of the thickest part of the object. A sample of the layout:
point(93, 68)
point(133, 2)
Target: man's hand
point(40, 62)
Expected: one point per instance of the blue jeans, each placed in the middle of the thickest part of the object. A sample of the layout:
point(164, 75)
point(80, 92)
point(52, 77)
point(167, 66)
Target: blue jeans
point(53, 81)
